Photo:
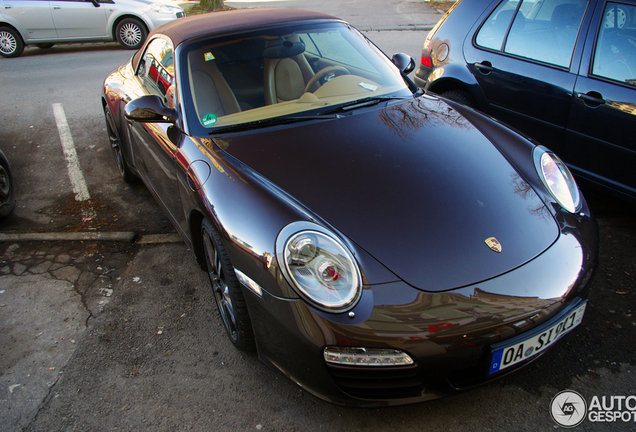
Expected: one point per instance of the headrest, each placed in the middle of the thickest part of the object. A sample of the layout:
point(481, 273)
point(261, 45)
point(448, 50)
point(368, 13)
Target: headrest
point(284, 50)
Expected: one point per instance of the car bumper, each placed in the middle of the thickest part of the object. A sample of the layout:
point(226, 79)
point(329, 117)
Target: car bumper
point(421, 76)
point(451, 336)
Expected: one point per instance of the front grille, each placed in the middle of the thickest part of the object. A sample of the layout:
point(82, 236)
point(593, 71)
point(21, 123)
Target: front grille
point(377, 382)
point(181, 14)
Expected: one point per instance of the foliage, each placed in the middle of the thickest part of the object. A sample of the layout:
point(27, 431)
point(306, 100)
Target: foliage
point(212, 5)
point(206, 6)
point(441, 5)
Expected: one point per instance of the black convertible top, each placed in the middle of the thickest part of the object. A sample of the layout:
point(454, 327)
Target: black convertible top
point(217, 23)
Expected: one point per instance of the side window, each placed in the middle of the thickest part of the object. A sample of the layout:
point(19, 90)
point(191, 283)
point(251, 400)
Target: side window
point(615, 53)
point(156, 70)
point(542, 30)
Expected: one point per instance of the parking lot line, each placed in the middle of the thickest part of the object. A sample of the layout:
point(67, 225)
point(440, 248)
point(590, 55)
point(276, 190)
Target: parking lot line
point(74, 171)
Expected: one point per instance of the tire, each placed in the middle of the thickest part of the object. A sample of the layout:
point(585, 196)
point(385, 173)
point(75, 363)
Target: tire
point(460, 96)
point(7, 193)
point(45, 45)
point(131, 33)
point(11, 44)
point(115, 146)
point(227, 291)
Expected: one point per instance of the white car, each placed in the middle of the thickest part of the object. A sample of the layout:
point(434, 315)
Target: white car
point(44, 23)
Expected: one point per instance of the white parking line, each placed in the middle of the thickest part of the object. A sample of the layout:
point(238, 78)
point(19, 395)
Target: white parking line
point(74, 171)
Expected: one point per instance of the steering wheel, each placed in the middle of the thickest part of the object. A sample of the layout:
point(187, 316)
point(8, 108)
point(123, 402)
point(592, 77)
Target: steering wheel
point(335, 70)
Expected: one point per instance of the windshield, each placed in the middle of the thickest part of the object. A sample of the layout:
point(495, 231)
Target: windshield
point(256, 76)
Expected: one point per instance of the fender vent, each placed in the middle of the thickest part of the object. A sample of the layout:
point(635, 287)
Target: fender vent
point(373, 382)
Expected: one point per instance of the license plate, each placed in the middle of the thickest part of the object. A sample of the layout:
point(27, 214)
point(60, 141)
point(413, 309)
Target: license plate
point(509, 356)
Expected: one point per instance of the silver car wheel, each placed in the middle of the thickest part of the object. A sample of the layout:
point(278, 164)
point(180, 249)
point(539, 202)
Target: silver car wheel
point(130, 34)
point(8, 44)
point(11, 44)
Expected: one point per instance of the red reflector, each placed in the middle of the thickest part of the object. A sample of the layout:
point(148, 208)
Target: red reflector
point(426, 54)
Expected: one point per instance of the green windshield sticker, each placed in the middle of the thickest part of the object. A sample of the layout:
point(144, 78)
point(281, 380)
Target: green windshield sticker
point(208, 120)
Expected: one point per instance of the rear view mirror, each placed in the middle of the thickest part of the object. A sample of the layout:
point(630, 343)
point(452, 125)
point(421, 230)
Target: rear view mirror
point(149, 109)
point(404, 62)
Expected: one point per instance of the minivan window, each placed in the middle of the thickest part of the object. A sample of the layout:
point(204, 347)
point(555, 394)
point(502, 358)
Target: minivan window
point(615, 54)
point(545, 31)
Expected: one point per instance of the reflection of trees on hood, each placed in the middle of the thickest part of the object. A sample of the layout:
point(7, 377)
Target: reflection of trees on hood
point(405, 118)
point(525, 191)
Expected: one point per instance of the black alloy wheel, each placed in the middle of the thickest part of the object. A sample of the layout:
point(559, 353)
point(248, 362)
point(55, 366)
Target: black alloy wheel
point(115, 146)
point(227, 290)
point(7, 194)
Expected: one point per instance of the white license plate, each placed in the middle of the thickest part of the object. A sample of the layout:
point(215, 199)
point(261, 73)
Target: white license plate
point(508, 356)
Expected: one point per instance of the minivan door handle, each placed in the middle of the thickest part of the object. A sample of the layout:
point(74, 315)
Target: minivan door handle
point(484, 67)
point(591, 99)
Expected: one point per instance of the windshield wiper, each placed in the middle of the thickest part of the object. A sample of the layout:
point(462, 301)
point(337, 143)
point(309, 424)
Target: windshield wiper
point(258, 124)
point(361, 103)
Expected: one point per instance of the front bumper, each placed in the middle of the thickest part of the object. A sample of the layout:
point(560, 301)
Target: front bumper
point(421, 76)
point(449, 335)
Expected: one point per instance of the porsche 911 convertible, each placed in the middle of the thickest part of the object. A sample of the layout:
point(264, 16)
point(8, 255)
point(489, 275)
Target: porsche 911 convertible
point(375, 245)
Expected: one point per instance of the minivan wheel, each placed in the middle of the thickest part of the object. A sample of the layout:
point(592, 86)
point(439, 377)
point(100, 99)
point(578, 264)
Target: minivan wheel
point(11, 44)
point(460, 96)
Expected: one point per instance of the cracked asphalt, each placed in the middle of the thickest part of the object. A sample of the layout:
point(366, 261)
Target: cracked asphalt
point(49, 292)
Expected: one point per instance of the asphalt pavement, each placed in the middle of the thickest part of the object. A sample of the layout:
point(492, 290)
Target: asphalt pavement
point(115, 328)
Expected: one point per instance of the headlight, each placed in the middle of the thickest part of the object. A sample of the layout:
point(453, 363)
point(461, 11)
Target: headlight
point(161, 8)
point(319, 266)
point(557, 178)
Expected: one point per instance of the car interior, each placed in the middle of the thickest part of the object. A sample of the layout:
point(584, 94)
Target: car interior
point(254, 78)
point(615, 56)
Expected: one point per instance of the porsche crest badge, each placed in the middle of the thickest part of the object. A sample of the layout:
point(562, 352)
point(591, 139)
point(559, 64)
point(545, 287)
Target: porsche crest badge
point(493, 244)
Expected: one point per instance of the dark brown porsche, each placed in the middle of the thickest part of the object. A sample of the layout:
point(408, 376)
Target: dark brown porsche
point(375, 245)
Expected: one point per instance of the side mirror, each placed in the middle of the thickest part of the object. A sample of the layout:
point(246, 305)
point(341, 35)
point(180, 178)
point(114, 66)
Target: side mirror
point(149, 109)
point(95, 3)
point(404, 62)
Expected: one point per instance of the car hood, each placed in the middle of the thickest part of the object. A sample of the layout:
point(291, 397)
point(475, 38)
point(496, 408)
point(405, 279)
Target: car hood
point(414, 184)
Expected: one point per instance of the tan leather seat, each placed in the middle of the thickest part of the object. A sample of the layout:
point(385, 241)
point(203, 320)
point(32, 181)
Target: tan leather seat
point(285, 78)
point(210, 92)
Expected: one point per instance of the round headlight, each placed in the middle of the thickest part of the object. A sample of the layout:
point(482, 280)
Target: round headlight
point(320, 268)
point(557, 178)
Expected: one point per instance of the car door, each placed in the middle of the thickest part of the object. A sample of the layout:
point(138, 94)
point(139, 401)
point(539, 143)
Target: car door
point(32, 17)
point(525, 58)
point(600, 142)
point(79, 18)
point(156, 144)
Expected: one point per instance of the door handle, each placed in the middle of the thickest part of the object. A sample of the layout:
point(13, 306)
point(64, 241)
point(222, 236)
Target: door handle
point(484, 67)
point(8, 7)
point(591, 99)
point(57, 7)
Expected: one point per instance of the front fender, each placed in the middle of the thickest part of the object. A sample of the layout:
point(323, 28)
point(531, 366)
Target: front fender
point(248, 212)
point(6, 20)
point(117, 16)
